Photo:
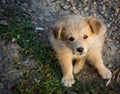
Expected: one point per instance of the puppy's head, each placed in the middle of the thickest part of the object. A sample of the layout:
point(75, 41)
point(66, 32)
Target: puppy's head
point(78, 34)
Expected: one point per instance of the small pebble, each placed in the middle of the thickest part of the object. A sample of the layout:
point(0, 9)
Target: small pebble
point(117, 10)
point(95, 3)
point(13, 40)
point(113, 37)
point(66, 7)
point(39, 28)
point(18, 36)
point(3, 22)
point(74, 7)
point(86, 8)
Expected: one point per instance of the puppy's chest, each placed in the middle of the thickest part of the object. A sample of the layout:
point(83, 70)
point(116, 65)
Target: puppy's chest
point(78, 56)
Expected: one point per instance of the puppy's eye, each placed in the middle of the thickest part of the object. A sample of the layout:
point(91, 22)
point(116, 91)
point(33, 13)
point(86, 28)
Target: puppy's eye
point(71, 39)
point(85, 36)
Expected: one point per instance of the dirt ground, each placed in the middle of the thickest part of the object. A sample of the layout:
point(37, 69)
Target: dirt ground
point(48, 11)
point(45, 12)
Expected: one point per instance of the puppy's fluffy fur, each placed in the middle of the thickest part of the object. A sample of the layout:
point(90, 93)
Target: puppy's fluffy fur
point(80, 38)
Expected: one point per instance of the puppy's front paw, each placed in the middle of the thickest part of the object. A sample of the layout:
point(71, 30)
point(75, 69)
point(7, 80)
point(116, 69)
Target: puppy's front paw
point(68, 81)
point(106, 74)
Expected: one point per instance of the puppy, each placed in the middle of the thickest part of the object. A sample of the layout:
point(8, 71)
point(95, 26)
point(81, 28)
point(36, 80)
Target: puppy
point(80, 38)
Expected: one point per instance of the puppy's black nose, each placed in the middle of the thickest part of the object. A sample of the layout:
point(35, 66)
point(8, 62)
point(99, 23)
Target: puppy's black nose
point(80, 49)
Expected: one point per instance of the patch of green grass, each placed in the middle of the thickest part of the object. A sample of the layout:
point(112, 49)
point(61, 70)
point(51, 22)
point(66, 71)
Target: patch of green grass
point(45, 78)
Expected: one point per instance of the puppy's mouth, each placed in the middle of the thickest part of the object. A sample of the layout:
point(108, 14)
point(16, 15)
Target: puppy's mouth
point(80, 54)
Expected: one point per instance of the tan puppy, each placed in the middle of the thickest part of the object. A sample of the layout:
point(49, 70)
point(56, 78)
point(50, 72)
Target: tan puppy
point(80, 38)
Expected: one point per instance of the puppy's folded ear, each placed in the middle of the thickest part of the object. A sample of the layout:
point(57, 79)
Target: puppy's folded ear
point(95, 24)
point(58, 30)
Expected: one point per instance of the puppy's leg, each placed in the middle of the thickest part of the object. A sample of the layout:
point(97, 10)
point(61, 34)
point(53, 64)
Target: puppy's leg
point(67, 68)
point(78, 65)
point(97, 61)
